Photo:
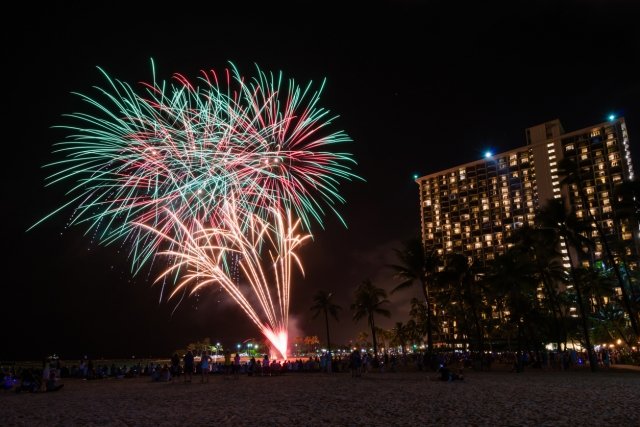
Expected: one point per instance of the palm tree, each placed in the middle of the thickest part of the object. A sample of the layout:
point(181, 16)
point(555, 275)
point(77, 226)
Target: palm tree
point(418, 313)
point(538, 245)
point(554, 216)
point(363, 339)
point(464, 296)
point(572, 176)
point(322, 304)
point(513, 283)
point(368, 302)
point(626, 202)
point(417, 266)
point(400, 336)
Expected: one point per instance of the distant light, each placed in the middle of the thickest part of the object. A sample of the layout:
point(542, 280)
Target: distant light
point(488, 154)
point(612, 117)
point(415, 176)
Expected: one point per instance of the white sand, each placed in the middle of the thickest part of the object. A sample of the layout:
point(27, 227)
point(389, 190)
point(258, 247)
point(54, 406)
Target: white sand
point(499, 398)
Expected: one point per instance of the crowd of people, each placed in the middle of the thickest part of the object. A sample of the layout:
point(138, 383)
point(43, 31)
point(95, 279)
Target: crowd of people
point(448, 366)
point(32, 380)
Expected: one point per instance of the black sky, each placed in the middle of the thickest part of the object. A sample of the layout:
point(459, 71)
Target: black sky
point(419, 86)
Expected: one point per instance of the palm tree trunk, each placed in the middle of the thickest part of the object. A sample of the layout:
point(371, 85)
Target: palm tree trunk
point(425, 291)
point(373, 336)
point(593, 363)
point(326, 320)
point(555, 308)
point(520, 355)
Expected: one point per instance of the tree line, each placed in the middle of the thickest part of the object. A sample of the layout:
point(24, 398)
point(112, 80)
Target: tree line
point(563, 279)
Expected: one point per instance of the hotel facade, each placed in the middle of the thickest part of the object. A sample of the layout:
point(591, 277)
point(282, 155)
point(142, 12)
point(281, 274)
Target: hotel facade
point(474, 208)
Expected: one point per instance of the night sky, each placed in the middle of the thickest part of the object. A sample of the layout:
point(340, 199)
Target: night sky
point(418, 88)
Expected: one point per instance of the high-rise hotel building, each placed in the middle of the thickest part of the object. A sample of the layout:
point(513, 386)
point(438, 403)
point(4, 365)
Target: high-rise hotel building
point(473, 208)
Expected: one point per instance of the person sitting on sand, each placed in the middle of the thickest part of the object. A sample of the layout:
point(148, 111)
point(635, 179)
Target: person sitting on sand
point(447, 374)
point(165, 373)
point(28, 382)
point(9, 380)
point(52, 382)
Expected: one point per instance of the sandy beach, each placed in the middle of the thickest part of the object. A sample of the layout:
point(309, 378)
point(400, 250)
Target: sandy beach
point(377, 399)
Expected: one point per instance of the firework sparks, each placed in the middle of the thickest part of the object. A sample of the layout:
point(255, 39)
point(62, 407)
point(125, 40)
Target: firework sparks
point(162, 166)
point(204, 256)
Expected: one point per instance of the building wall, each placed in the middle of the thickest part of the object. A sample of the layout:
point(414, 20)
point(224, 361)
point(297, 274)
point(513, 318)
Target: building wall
point(473, 208)
point(544, 142)
point(604, 160)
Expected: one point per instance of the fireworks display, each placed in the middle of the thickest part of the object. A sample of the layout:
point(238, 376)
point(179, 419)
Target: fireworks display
point(207, 174)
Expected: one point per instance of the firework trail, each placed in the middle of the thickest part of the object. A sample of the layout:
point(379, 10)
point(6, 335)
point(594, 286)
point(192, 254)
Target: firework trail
point(203, 257)
point(152, 165)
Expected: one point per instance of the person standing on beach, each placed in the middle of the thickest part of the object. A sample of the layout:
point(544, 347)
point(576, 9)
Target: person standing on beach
point(175, 365)
point(355, 363)
point(252, 366)
point(227, 364)
point(204, 366)
point(236, 366)
point(46, 370)
point(188, 366)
